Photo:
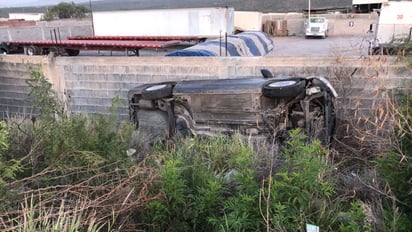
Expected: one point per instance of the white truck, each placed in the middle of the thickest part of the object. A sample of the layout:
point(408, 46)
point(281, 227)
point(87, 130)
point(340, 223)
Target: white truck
point(316, 26)
point(394, 26)
point(200, 22)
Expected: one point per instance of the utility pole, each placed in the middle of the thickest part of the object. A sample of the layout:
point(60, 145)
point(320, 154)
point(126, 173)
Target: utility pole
point(91, 14)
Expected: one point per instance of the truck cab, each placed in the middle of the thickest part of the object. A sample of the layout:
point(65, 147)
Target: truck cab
point(317, 27)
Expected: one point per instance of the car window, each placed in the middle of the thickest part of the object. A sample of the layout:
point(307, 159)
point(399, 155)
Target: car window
point(317, 20)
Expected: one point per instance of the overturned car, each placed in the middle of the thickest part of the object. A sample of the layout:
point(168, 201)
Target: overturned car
point(262, 107)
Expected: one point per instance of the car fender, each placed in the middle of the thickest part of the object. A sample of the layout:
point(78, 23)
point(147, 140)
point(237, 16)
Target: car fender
point(138, 90)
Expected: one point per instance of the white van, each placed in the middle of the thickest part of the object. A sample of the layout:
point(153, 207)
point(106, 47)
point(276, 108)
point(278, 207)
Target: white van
point(394, 24)
point(316, 26)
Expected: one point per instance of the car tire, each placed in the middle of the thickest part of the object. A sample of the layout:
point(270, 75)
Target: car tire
point(283, 88)
point(157, 91)
point(32, 50)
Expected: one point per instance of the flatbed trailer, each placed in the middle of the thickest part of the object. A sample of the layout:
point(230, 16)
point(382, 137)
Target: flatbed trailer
point(73, 47)
point(141, 37)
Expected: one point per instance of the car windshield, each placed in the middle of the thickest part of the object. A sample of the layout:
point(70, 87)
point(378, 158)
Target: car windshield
point(317, 20)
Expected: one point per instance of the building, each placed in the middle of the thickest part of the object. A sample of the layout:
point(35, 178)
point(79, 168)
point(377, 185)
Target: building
point(366, 6)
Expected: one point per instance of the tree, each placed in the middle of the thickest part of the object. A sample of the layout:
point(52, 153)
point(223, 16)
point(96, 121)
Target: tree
point(66, 10)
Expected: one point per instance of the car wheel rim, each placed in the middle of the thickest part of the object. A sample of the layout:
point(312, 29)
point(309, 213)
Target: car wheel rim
point(281, 84)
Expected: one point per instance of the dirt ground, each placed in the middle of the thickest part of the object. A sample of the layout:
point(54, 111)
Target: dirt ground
point(331, 46)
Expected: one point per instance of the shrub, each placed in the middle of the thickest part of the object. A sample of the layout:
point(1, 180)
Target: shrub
point(73, 168)
point(217, 184)
point(65, 10)
point(301, 191)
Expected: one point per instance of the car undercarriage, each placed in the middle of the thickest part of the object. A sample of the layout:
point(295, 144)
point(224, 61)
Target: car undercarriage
point(263, 107)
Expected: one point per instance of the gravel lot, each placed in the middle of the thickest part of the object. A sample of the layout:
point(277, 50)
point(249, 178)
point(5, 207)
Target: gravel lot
point(284, 46)
point(331, 46)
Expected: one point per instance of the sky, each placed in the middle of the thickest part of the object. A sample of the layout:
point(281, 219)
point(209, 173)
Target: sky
point(19, 3)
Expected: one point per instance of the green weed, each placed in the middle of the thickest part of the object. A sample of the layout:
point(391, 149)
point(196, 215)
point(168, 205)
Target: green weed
point(217, 184)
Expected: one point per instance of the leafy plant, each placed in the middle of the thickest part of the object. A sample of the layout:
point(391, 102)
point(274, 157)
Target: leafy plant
point(3, 137)
point(42, 95)
point(65, 10)
point(302, 190)
point(198, 177)
point(354, 220)
point(216, 184)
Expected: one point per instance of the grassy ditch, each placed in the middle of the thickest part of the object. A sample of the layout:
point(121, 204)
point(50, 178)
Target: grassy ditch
point(60, 173)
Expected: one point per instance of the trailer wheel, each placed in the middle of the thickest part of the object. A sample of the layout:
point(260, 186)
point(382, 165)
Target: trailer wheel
point(283, 88)
point(72, 52)
point(55, 51)
point(32, 50)
point(157, 91)
point(132, 52)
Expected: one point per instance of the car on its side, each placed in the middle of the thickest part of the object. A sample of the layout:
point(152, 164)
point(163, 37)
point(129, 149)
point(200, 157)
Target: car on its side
point(263, 107)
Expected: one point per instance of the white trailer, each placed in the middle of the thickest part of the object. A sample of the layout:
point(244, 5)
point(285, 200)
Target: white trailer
point(248, 20)
point(26, 16)
point(394, 24)
point(200, 22)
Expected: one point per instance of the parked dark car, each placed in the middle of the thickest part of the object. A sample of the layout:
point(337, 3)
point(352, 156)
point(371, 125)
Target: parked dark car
point(264, 107)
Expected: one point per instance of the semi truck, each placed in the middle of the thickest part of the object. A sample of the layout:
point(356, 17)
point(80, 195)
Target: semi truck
point(316, 27)
point(394, 26)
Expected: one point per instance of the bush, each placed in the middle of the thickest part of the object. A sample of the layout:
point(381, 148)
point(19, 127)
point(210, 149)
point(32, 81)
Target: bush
point(65, 10)
point(70, 172)
point(194, 182)
point(302, 189)
point(218, 184)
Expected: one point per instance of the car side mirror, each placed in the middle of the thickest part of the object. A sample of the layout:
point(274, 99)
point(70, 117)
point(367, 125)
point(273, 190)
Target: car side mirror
point(266, 73)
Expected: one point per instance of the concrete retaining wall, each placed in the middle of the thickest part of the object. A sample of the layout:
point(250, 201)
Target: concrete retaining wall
point(88, 84)
point(14, 90)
